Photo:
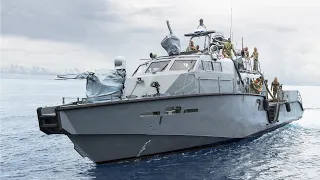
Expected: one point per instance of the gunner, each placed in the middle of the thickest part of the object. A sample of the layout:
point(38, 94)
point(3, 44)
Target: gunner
point(228, 46)
point(191, 47)
point(197, 47)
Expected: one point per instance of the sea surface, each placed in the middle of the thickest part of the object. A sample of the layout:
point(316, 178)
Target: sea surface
point(291, 152)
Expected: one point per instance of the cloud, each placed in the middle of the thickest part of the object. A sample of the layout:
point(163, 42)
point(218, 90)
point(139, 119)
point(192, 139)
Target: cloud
point(57, 20)
point(285, 32)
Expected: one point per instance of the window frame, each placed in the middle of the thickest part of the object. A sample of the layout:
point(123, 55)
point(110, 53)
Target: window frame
point(195, 62)
point(144, 64)
point(219, 65)
point(166, 66)
point(204, 67)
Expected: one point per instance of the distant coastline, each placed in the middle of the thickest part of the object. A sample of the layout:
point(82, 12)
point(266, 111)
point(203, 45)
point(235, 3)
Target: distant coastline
point(13, 71)
point(36, 70)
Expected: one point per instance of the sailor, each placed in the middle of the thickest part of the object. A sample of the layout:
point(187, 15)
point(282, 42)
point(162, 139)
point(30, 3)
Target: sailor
point(275, 87)
point(191, 47)
point(255, 56)
point(259, 84)
point(228, 46)
point(245, 55)
point(197, 47)
point(252, 89)
point(256, 86)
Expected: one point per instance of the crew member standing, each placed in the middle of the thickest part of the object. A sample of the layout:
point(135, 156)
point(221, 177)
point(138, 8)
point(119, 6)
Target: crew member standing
point(227, 48)
point(255, 56)
point(275, 87)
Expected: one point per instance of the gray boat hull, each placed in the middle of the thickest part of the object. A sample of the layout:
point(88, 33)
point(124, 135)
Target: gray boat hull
point(107, 148)
point(114, 131)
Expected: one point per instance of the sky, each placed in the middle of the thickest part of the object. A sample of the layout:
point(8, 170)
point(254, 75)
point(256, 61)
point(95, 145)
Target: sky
point(86, 34)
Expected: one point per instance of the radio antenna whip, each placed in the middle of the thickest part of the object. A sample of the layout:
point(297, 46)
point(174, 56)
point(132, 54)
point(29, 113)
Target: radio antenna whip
point(231, 23)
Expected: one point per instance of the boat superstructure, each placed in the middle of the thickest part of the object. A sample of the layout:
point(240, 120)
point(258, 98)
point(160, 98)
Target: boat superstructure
point(170, 103)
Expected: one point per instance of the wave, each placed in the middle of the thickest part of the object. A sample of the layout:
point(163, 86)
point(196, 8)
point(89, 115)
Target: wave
point(316, 108)
point(18, 117)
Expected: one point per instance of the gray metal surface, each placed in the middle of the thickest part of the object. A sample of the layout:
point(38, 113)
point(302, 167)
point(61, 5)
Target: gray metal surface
point(116, 131)
point(230, 116)
point(102, 148)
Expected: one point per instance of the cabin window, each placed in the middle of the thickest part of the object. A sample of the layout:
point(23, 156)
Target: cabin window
point(148, 114)
point(200, 66)
point(190, 110)
point(207, 65)
point(217, 67)
point(172, 110)
point(157, 66)
point(141, 69)
point(183, 65)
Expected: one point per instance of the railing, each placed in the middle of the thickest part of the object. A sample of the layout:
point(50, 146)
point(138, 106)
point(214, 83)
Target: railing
point(77, 98)
point(110, 97)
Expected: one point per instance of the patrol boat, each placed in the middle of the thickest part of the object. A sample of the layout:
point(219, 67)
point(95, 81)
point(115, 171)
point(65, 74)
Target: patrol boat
point(171, 103)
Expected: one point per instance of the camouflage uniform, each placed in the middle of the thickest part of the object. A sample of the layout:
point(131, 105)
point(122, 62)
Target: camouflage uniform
point(252, 88)
point(256, 86)
point(246, 54)
point(255, 56)
point(275, 87)
point(228, 46)
point(191, 48)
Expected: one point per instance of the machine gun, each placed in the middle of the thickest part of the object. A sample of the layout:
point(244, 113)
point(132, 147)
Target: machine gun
point(171, 43)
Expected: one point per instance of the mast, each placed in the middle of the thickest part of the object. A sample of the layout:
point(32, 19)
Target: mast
point(231, 23)
point(242, 42)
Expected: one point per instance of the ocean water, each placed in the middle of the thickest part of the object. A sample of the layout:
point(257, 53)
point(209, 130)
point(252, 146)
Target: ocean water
point(291, 152)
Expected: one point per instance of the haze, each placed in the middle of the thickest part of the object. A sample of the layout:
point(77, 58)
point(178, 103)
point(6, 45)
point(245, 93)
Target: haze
point(85, 34)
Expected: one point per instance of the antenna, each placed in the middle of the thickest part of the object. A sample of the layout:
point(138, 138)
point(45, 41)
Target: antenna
point(242, 42)
point(231, 23)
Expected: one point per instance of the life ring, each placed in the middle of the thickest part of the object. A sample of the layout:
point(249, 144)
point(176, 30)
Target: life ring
point(288, 108)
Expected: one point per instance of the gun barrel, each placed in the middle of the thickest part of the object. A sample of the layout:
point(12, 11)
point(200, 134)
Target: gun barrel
point(168, 24)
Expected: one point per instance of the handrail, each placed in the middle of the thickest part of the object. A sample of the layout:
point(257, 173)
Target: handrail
point(64, 98)
point(266, 85)
point(238, 72)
